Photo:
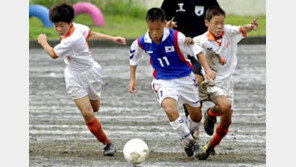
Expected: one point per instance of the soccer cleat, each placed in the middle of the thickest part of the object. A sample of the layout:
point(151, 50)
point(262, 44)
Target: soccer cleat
point(209, 123)
point(191, 148)
point(206, 152)
point(109, 149)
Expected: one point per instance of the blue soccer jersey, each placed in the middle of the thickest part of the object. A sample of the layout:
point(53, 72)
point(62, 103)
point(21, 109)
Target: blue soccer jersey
point(167, 59)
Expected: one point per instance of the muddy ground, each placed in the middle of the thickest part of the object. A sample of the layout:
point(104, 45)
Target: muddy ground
point(59, 136)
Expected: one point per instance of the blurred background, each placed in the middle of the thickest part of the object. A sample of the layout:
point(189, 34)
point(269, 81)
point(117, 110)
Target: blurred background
point(127, 17)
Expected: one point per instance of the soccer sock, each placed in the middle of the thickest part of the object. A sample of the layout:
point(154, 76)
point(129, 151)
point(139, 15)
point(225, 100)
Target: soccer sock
point(220, 133)
point(181, 128)
point(212, 113)
point(192, 126)
point(96, 128)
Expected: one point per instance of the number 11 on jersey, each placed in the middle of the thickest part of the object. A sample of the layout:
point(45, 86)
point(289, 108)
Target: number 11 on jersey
point(166, 61)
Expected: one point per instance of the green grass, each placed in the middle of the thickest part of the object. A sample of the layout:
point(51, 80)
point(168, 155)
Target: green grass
point(241, 20)
point(131, 27)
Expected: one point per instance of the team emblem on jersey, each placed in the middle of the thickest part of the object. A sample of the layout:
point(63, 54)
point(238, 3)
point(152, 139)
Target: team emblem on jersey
point(199, 10)
point(180, 7)
point(169, 49)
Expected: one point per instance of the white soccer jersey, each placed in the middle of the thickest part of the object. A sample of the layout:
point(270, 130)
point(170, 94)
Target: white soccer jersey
point(74, 48)
point(191, 50)
point(221, 54)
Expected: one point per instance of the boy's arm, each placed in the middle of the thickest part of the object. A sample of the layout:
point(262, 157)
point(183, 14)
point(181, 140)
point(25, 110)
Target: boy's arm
point(133, 80)
point(134, 56)
point(42, 40)
point(117, 39)
point(249, 27)
point(210, 74)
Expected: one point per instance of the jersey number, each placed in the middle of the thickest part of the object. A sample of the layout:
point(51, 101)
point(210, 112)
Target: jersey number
point(166, 61)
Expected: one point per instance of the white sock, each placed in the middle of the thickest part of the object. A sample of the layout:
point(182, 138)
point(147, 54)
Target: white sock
point(192, 126)
point(181, 128)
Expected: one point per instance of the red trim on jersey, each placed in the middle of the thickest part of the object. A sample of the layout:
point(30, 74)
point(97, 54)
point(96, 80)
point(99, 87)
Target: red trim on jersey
point(138, 40)
point(54, 53)
point(153, 86)
point(155, 71)
point(178, 49)
point(211, 37)
point(71, 30)
point(243, 33)
point(88, 34)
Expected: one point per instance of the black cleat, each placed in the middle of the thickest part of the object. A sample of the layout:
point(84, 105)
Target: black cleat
point(206, 152)
point(109, 149)
point(191, 148)
point(209, 123)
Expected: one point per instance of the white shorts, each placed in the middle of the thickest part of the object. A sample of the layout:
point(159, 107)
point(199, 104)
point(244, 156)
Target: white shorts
point(183, 90)
point(211, 91)
point(86, 82)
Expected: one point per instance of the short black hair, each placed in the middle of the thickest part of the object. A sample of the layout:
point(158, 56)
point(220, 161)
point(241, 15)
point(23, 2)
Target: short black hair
point(214, 11)
point(61, 13)
point(155, 14)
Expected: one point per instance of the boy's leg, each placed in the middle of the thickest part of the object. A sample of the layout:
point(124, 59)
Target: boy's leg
point(194, 119)
point(178, 124)
point(223, 109)
point(198, 76)
point(95, 127)
point(95, 104)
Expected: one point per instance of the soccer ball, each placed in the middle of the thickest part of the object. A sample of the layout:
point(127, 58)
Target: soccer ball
point(135, 151)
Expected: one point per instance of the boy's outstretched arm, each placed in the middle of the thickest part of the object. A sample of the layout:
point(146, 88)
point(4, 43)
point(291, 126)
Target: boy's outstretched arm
point(117, 39)
point(250, 27)
point(210, 74)
point(42, 40)
point(133, 80)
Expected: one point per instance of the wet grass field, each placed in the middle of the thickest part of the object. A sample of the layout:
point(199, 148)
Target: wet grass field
point(59, 136)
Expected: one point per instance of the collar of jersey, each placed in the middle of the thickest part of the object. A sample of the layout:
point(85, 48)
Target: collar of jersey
point(71, 30)
point(166, 33)
point(211, 37)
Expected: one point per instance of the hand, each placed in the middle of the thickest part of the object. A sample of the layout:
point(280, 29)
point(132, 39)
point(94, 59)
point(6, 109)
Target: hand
point(119, 40)
point(254, 24)
point(189, 41)
point(171, 24)
point(42, 38)
point(132, 86)
point(210, 75)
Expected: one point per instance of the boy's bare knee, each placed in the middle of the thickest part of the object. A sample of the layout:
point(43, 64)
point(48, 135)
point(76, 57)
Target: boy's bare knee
point(196, 115)
point(96, 109)
point(226, 108)
point(172, 113)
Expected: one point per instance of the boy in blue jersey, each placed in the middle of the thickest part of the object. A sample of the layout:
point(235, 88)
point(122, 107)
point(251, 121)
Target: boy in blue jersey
point(173, 83)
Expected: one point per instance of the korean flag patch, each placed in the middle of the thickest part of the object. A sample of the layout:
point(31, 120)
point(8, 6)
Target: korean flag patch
point(199, 10)
point(169, 49)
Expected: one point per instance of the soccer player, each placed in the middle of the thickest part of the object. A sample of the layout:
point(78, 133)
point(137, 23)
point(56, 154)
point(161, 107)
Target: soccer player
point(188, 17)
point(173, 83)
point(219, 45)
point(82, 74)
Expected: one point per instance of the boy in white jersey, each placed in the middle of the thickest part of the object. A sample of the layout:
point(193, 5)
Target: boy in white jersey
point(82, 74)
point(219, 45)
point(174, 83)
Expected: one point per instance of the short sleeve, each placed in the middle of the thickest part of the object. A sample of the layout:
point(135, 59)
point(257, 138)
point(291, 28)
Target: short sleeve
point(192, 50)
point(235, 32)
point(135, 53)
point(85, 30)
point(63, 49)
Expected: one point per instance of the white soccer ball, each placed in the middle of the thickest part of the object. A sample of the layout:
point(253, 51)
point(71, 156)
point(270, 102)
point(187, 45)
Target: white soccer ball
point(135, 151)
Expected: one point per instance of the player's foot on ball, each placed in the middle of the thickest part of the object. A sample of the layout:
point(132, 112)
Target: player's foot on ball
point(189, 148)
point(205, 152)
point(109, 149)
point(209, 123)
